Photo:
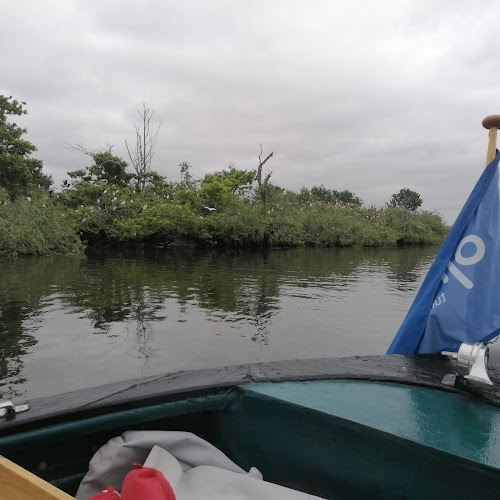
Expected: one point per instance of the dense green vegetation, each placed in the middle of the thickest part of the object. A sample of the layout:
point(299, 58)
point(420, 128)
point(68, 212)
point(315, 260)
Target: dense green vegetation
point(105, 204)
point(406, 198)
point(36, 225)
point(19, 173)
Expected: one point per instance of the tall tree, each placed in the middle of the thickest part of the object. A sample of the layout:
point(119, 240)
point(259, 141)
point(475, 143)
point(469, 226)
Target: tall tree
point(407, 199)
point(107, 167)
point(347, 197)
point(38, 178)
point(145, 143)
point(18, 171)
point(239, 182)
point(332, 196)
point(187, 181)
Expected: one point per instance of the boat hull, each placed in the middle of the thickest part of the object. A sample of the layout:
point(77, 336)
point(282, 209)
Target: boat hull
point(380, 426)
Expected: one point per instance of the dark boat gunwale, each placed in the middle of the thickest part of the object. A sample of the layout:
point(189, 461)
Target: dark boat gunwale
point(415, 369)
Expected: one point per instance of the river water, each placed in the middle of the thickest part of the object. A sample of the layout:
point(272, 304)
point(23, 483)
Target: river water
point(73, 322)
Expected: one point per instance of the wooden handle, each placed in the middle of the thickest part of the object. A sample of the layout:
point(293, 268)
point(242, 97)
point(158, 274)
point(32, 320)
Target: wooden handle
point(17, 483)
point(492, 123)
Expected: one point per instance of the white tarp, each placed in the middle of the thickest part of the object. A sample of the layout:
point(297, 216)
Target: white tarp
point(194, 468)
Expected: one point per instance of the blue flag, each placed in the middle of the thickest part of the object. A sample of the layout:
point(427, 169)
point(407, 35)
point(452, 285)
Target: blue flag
point(459, 300)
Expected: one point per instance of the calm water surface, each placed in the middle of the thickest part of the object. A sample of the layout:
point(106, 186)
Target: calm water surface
point(73, 322)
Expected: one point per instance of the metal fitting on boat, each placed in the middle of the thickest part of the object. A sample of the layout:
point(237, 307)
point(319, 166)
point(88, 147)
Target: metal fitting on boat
point(472, 364)
point(9, 410)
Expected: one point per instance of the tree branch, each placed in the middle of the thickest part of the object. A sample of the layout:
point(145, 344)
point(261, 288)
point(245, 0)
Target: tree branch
point(258, 176)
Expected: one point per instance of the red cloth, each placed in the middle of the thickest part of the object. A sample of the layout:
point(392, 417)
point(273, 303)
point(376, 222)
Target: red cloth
point(141, 483)
point(146, 482)
point(107, 494)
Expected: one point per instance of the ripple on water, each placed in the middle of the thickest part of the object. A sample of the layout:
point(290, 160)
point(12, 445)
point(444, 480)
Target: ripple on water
point(68, 323)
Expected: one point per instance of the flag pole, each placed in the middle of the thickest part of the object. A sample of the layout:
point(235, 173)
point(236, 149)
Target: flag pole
point(492, 123)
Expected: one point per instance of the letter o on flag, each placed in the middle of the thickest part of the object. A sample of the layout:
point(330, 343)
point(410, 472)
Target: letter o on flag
point(474, 258)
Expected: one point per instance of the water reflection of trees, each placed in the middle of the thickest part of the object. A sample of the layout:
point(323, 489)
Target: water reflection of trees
point(407, 265)
point(24, 286)
point(134, 289)
point(14, 345)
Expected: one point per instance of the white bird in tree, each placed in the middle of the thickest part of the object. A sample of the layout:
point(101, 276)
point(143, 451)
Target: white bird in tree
point(210, 209)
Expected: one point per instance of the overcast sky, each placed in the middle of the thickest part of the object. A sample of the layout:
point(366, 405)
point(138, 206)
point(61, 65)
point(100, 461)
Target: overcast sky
point(359, 95)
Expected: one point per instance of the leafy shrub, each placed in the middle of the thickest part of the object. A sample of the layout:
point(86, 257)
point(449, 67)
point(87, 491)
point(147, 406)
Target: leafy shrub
point(35, 225)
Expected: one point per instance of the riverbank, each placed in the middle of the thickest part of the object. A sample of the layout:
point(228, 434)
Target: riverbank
point(67, 223)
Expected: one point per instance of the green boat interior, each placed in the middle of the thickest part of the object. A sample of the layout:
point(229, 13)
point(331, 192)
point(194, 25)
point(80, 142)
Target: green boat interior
point(332, 438)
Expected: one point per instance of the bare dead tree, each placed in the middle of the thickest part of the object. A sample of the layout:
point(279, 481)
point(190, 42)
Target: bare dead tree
point(82, 149)
point(258, 177)
point(145, 142)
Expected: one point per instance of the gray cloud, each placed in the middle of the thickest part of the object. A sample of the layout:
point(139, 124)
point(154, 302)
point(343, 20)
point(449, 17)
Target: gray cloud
point(364, 96)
